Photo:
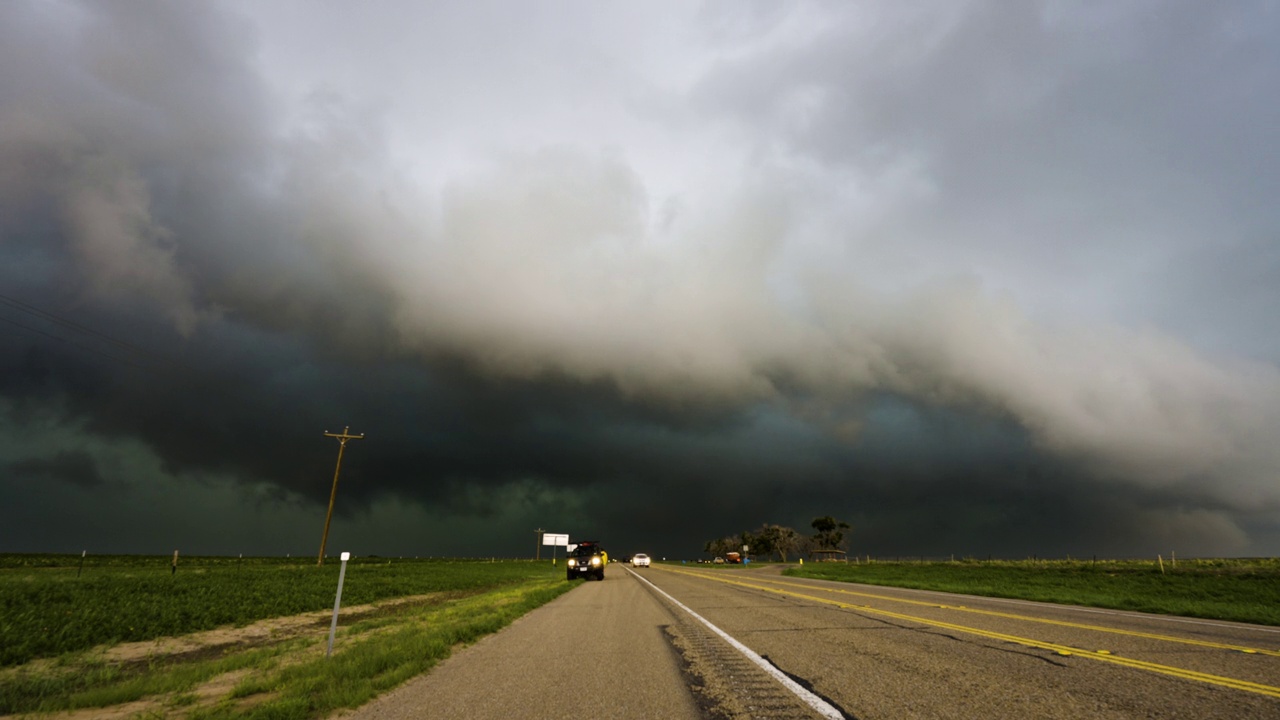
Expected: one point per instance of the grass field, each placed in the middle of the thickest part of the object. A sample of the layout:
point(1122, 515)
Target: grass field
point(1245, 590)
point(60, 627)
point(49, 606)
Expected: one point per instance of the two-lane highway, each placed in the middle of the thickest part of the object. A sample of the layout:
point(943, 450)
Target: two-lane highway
point(885, 652)
point(684, 642)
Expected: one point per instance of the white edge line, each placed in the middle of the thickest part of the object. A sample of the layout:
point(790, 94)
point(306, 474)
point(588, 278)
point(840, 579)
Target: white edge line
point(822, 707)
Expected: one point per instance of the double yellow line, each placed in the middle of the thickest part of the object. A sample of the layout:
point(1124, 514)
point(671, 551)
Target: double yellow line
point(1064, 650)
point(1046, 621)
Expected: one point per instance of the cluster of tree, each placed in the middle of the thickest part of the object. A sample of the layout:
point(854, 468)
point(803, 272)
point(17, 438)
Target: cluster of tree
point(830, 533)
point(781, 542)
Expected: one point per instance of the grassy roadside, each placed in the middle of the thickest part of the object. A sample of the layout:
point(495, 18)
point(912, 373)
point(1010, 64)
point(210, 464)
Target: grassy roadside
point(287, 677)
point(1240, 590)
point(49, 606)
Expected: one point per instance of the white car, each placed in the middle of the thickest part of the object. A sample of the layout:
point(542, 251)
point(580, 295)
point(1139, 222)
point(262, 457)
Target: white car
point(640, 560)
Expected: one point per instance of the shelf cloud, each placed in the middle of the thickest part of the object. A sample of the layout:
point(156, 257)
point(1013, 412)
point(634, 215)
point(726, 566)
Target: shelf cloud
point(978, 279)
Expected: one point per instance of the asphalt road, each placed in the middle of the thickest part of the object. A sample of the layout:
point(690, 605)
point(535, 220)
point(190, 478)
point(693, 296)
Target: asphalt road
point(625, 648)
point(599, 651)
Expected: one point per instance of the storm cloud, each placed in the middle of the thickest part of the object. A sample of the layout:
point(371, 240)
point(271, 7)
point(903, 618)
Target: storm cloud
point(1002, 276)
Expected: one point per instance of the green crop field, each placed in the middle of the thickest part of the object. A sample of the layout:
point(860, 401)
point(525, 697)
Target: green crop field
point(1246, 590)
point(49, 605)
point(64, 630)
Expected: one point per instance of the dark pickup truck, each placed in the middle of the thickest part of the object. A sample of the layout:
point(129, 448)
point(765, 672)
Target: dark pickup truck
point(587, 560)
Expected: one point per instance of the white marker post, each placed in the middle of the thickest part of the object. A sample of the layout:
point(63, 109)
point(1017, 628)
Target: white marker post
point(337, 601)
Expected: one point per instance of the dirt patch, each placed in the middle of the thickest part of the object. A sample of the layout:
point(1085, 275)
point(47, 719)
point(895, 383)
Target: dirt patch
point(213, 643)
point(263, 632)
point(209, 644)
point(115, 712)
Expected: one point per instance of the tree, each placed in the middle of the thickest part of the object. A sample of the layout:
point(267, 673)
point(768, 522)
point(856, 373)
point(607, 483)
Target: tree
point(723, 545)
point(830, 535)
point(766, 541)
point(786, 540)
point(771, 539)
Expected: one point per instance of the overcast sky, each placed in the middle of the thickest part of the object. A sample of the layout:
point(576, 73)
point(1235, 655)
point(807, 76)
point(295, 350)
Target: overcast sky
point(979, 278)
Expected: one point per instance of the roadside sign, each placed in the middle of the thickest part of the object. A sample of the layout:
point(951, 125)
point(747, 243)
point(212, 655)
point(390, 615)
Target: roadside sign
point(555, 540)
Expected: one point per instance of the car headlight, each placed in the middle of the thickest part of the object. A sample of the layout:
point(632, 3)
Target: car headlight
point(595, 561)
point(573, 563)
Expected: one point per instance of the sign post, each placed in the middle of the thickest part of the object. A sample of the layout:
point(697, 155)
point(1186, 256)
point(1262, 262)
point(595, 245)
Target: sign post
point(337, 601)
point(555, 540)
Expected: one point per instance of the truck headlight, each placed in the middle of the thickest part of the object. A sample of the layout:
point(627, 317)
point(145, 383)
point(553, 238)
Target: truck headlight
point(595, 561)
point(573, 563)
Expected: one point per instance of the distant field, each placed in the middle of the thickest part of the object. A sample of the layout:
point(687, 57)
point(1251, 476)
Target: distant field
point(1245, 590)
point(49, 606)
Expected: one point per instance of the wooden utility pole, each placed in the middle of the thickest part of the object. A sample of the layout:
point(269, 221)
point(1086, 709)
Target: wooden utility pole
point(537, 545)
point(343, 437)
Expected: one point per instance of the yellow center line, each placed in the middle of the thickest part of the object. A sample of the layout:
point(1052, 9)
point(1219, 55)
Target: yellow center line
point(1065, 650)
point(1028, 618)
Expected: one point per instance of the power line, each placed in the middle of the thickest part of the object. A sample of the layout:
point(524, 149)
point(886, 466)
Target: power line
point(73, 343)
point(45, 315)
point(139, 353)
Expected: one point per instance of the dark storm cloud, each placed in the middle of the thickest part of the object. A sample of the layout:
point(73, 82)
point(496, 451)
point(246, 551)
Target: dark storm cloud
point(908, 298)
point(68, 467)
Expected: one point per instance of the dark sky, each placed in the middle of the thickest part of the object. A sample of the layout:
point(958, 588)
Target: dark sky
point(979, 278)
